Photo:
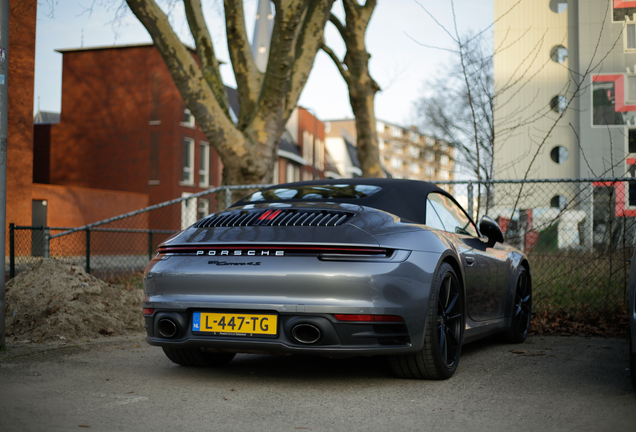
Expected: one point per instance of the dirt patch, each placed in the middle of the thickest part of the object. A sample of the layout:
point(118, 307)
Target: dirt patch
point(55, 301)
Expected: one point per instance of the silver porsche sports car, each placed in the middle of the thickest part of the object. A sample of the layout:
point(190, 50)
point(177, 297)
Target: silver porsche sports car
point(338, 268)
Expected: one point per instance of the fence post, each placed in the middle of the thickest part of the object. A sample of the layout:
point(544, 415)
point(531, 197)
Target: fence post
point(470, 200)
point(11, 250)
point(150, 241)
point(228, 197)
point(47, 239)
point(88, 250)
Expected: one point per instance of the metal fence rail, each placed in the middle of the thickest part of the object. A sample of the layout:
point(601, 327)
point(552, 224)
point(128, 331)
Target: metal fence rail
point(578, 235)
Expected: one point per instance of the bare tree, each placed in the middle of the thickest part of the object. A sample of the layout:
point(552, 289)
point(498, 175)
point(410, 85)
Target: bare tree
point(248, 149)
point(458, 105)
point(354, 69)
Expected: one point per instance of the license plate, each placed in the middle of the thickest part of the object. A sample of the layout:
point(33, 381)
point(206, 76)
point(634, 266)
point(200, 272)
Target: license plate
point(234, 324)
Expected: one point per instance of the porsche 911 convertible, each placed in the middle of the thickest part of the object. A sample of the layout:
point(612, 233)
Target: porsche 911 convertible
point(338, 268)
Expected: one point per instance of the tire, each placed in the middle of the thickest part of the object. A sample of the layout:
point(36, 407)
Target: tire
point(632, 363)
point(443, 335)
point(197, 357)
point(521, 310)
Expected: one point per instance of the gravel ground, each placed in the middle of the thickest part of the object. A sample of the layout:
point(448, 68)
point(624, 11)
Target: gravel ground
point(120, 383)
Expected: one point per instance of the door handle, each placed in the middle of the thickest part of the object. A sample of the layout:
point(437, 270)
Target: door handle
point(470, 261)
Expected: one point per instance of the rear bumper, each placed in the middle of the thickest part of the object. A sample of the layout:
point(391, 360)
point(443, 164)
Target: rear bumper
point(335, 338)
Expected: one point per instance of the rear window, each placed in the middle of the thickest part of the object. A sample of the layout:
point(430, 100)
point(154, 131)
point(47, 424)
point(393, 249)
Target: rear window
point(314, 192)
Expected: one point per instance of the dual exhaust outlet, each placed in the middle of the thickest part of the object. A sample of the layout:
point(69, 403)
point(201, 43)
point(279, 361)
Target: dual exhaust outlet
point(303, 333)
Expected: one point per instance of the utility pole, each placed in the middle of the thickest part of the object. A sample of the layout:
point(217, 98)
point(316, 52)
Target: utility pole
point(4, 106)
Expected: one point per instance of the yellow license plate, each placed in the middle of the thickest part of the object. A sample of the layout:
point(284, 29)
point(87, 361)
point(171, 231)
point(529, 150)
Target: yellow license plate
point(234, 324)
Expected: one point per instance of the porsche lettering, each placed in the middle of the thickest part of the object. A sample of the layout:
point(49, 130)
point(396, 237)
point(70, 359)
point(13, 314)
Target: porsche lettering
point(239, 252)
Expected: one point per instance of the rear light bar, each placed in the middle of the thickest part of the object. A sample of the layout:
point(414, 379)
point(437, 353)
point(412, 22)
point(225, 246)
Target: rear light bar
point(266, 250)
point(148, 311)
point(369, 318)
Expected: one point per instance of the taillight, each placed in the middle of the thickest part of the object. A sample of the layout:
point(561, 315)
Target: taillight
point(148, 311)
point(369, 318)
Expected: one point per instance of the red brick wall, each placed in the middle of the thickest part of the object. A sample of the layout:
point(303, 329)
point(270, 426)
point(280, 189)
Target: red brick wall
point(77, 206)
point(109, 97)
point(20, 127)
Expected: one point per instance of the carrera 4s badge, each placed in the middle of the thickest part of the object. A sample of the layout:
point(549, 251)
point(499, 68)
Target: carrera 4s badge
point(225, 263)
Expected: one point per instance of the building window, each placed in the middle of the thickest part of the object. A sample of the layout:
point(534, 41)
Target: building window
point(443, 146)
point(559, 201)
point(320, 154)
point(414, 136)
point(430, 156)
point(188, 161)
point(429, 141)
point(631, 187)
point(631, 140)
point(381, 144)
point(308, 147)
point(397, 147)
point(558, 6)
point(444, 175)
point(630, 37)
point(631, 89)
point(414, 168)
point(203, 208)
point(396, 163)
point(396, 131)
point(414, 152)
point(188, 210)
point(204, 164)
point(559, 154)
point(429, 171)
point(444, 159)
point(187, 119)
point(558, 103)
point(379, 127)
point(559, 54)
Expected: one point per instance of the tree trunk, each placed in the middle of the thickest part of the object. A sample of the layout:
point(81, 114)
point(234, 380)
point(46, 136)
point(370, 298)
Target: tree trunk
point(250, 149)
point(362, 88)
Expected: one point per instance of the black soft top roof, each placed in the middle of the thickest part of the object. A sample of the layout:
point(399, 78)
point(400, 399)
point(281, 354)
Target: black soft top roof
point(403, 198)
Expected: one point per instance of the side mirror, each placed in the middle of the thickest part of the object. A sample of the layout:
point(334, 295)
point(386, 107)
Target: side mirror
point(490, 228)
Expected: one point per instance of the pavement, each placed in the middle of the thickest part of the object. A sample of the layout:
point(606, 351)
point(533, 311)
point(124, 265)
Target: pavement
point(549, 383)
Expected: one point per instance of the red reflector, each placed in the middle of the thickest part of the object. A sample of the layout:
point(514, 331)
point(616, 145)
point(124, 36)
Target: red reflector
point(148, 311)
point(269, 215)
point(369, 318)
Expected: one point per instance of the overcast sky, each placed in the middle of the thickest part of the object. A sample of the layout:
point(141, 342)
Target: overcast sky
point(398, 63)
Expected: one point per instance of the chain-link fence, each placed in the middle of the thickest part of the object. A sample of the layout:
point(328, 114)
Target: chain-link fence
point(120, 245)
point(578, 235)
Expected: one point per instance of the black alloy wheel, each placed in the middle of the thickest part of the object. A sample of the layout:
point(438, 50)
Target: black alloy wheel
point(521, 309)
point(439, 357)
point(449, 321)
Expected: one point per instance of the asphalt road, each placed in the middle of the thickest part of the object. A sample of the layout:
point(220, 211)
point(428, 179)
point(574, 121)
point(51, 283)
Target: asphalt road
point(548, 384)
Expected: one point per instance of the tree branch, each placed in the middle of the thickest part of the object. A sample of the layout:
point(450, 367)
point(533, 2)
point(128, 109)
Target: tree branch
point(249, 79)
point(309, 42)
point(205, 52)
point(189, 80)
point(344, 72)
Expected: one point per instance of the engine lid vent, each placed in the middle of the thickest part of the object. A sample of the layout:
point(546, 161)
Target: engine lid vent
point(275, 217)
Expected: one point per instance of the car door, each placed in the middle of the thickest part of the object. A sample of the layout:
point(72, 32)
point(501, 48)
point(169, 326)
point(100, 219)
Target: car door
point(485, 290)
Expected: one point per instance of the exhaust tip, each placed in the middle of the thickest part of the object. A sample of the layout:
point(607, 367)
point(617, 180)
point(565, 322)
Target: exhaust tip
point(167, 328)
point(306, 333)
